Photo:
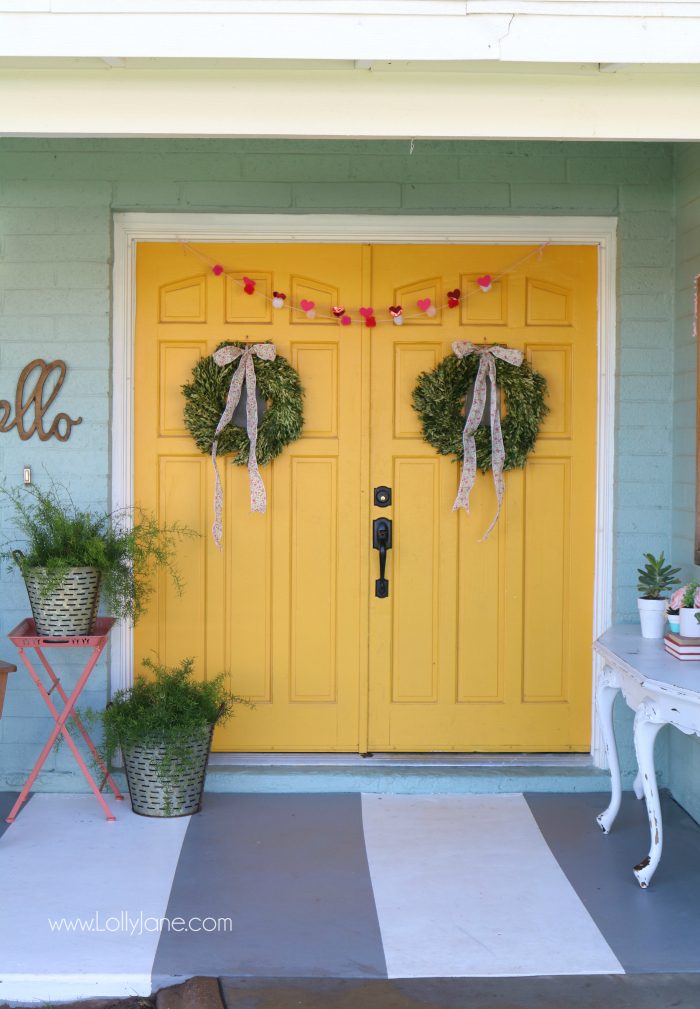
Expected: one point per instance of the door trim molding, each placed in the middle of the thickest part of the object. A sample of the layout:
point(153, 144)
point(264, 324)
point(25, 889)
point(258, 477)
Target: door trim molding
point(132, 228)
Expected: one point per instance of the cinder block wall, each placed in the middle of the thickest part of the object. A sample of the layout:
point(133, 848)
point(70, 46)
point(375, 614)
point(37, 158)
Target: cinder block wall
point(684, 751)
point(56, 202)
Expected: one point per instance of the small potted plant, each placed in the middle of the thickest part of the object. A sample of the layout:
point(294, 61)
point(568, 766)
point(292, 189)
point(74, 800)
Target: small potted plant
point(163, 726)
point(655, 579)
point(72, 557)
point(673, 616)
point(686, 600)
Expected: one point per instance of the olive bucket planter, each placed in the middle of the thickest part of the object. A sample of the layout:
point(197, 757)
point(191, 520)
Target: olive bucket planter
point(163, 725)
point(67, 609)
point(163, 784)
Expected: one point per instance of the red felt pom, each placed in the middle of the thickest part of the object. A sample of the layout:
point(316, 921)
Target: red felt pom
point(217, 270)
point(370, 322)
point(249, 288)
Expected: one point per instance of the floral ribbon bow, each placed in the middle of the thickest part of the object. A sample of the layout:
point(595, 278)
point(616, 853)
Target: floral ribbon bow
point(487, 368)
point(244, 371)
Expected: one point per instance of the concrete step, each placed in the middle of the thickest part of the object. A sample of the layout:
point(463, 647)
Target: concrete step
point(440, 774)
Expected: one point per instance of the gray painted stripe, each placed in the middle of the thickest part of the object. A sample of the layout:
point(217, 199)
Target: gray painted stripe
point(291, 872)
point(648, 930)
point(7, 801)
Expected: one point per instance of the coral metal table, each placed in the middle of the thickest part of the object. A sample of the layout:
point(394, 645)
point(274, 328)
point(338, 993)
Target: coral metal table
point(661, 691)
point(24, 637)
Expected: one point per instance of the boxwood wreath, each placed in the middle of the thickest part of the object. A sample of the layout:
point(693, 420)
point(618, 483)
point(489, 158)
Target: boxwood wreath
point(205, 400)
point(439, 398)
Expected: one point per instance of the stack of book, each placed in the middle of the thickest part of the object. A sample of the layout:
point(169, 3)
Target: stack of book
point(685, 649)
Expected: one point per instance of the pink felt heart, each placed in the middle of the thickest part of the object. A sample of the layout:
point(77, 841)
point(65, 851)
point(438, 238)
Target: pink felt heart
point(484, 281)
point(424, 304)
point(366, 313)
point(307, 305)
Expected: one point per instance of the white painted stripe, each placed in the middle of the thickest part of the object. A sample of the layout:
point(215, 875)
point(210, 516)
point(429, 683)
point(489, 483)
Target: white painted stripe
point(466, 886)
point(62, 860)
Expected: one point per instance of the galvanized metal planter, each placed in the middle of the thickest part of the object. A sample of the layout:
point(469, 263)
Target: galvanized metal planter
point(179, 796)
point(70, 608)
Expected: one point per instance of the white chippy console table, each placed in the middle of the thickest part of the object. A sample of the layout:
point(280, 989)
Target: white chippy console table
point(661, 691)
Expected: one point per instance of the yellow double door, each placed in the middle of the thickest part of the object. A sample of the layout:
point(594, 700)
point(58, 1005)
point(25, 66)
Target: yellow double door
point(480, 645)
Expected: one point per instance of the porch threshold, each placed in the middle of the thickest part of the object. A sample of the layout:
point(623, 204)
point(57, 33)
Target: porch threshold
point(417, 773)
point(401, 759)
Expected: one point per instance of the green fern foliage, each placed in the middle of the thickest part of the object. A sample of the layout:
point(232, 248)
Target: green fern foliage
point(124, 546)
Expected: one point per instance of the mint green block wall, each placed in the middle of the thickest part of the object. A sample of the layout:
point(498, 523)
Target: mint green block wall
point(56, 202)
point(684, 751)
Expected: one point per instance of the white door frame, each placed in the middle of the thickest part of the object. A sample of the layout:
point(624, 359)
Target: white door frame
point(132, 228)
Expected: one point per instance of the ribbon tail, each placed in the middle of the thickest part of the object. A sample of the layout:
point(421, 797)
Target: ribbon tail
point(217, 528)
point(234, 395)
point(497, 450)
point(258, 496)
point(468, 475)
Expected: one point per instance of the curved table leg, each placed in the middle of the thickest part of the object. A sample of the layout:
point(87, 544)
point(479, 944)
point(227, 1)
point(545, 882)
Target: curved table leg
point(638, 786)
point(608, 687)
point(646, 728)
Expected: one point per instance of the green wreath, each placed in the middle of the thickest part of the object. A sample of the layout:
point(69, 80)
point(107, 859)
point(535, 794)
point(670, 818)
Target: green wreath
point(205, 398)
point(439, 396)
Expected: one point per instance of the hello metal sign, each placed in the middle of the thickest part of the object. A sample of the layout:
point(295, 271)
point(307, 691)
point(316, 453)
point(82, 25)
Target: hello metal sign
point(33, 400)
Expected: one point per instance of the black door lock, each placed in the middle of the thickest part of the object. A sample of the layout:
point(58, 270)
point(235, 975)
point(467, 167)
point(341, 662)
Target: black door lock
point(382, 497)
point(381, 541)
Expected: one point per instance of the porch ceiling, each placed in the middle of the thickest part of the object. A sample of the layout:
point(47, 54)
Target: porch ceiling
point(551, 31)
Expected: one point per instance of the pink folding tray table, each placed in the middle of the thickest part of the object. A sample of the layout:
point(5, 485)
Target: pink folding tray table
point(24, 637)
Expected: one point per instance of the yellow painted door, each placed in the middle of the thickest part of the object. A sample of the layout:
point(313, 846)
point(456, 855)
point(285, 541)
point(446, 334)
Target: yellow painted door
point(485, 646)
point(480, 645)
point(282, 607)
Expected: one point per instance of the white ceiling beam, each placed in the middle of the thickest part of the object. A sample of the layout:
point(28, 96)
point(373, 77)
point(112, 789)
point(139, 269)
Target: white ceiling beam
point(345, 103)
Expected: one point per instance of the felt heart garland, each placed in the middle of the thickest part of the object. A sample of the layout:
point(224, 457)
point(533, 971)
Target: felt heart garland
point(396, 316)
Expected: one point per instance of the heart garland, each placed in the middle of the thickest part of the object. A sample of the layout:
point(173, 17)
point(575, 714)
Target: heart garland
point(396, 315)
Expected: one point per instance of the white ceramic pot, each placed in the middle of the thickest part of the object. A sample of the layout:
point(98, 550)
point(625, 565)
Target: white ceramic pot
point(690, 628)
point(652, 615)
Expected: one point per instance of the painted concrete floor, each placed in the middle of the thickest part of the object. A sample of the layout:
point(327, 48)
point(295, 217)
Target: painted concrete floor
point(338, 886)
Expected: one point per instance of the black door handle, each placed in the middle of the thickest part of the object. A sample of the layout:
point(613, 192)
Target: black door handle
point(381, 541)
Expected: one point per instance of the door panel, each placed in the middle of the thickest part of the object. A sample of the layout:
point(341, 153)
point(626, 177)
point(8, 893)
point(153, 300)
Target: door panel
point(485, 645)
point(280, 608)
